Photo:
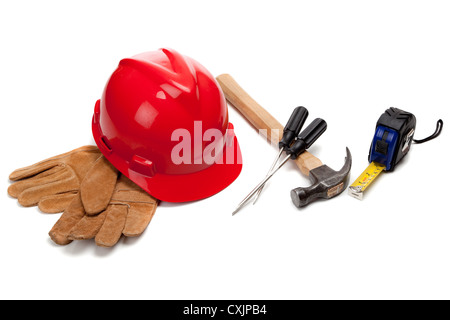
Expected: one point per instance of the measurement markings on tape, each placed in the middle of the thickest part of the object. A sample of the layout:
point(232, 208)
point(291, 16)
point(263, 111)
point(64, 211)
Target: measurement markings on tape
point(365, 179)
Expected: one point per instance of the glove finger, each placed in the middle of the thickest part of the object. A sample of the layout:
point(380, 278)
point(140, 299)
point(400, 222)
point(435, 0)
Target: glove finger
point(97, 187)
point(31, 171)
point(112, 228)
point(71, 216)
point(32, 196)
point(87, 227)
point(138, 218)
point(47, 164)
point(53, 174)
point(56, 203)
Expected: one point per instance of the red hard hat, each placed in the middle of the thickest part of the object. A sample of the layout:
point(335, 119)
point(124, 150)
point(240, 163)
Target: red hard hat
point(163, 122)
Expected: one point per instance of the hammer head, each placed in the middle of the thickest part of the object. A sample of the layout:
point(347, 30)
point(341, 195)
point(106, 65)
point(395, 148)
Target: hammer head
point(326, 183)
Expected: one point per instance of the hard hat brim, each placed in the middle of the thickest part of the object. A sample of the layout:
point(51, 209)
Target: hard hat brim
point(185, 187)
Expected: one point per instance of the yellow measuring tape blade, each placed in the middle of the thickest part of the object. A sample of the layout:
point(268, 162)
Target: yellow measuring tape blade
point(365, 179)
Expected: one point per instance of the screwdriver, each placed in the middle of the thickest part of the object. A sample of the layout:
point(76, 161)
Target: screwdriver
point(290, 133)
point(305, 139)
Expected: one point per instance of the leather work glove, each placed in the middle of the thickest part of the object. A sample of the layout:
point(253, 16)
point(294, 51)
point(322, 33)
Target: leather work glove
point(129, 212)
point(90, 209)
point(52, 184)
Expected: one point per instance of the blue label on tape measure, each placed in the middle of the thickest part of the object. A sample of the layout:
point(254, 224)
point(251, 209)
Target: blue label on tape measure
point(383, 146)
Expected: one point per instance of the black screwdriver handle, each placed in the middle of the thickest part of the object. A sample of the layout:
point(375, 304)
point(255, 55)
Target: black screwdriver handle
point(307, 137)
point(293, 127)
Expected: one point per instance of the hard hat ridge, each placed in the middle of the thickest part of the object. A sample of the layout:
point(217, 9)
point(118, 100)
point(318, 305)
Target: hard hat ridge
point(179, 73)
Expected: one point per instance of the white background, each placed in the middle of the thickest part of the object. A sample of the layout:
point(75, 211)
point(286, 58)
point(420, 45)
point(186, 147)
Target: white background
point(346, 61)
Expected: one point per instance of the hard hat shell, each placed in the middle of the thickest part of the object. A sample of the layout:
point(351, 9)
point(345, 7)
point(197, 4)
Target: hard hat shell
point(161, 105)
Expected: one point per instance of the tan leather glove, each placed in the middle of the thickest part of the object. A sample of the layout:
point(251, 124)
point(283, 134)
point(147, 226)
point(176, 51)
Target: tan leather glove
point(53, 183)
point(84, 185)
point(129, 212)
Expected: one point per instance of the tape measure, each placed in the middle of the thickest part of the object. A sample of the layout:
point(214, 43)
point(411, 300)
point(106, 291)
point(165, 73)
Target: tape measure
point(394, 134)
point(365, 179)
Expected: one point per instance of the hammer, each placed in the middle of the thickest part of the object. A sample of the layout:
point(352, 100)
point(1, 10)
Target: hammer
point(326, 182)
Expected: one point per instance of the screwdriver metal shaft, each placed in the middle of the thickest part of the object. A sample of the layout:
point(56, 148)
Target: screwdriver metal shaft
point(252, 193)
point(270, 170)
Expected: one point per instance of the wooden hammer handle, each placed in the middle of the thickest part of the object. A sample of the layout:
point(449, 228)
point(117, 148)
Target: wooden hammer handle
point(260, 118)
